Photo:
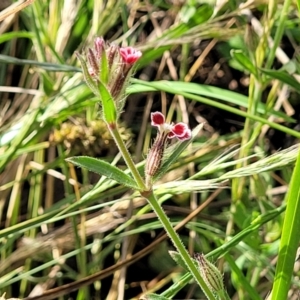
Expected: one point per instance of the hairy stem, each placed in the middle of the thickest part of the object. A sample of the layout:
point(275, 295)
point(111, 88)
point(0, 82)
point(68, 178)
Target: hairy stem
point(127, 157)
point(150, 196)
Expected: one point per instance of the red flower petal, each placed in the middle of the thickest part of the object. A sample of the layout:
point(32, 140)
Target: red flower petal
point(179, 129)
point(171, 135)
point(130, 55)
point(157, 119)
point(187, 135)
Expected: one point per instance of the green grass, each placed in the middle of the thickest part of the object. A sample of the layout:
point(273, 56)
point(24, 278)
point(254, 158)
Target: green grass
point(73, 233)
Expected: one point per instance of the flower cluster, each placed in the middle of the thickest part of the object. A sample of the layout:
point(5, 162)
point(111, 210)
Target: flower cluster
point(111, 66)
point(179, 130)
point(165, 131)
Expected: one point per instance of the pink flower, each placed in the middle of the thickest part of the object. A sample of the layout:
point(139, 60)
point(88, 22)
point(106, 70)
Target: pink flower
point(110, 66)
point(130, 55)
point(179, 130)
point(165, 131)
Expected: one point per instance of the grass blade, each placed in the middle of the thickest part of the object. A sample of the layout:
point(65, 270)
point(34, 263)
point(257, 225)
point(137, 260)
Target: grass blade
point(289, 239)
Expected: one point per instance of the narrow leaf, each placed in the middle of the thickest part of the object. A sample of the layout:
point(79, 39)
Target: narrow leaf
point(6, 59)
point(108, 104)
point(178, 259)
point(179, 87)
point(284, 77)
point(289, 238)
point(244, 60)
point(104, 68)
point(103, 168)
point(177, 286)
point(251, 291)
point(153, 297)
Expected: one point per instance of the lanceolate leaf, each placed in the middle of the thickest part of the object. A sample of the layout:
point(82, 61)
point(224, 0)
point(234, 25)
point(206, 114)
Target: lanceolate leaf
point(108, 104)
point(103, 168)
point(153, 297)
point(244, 61)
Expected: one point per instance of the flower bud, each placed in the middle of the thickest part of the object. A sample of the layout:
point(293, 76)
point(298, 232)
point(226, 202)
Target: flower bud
point(210, 274)
point(128, 57)
point(112, 53)
point(108, 68)
point(155, 155)
point(94, 64)
point(99, 45)
point(165, 131)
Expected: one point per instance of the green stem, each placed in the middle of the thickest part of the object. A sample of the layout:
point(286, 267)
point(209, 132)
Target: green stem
point(149, 195)
point(279, 32)
point(113, 128)
point(248, 138)
point(177, 243)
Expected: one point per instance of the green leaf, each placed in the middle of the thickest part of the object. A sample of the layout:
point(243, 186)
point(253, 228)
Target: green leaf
point(178, 87)
point(251, 291)
point(177, 286)
point(194, 16)
point(178, 259)
point(6, 59)
point(202, 14)
point(289, 238)
point(108, 104)
point(14, 35)
point(153, 297)
point(104, 68)
point(103, 168)
point(284, 77)
point(244, 60)
point(186, 13)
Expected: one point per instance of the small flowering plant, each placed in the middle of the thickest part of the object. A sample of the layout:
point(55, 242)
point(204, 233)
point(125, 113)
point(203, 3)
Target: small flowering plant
point(107, 69)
